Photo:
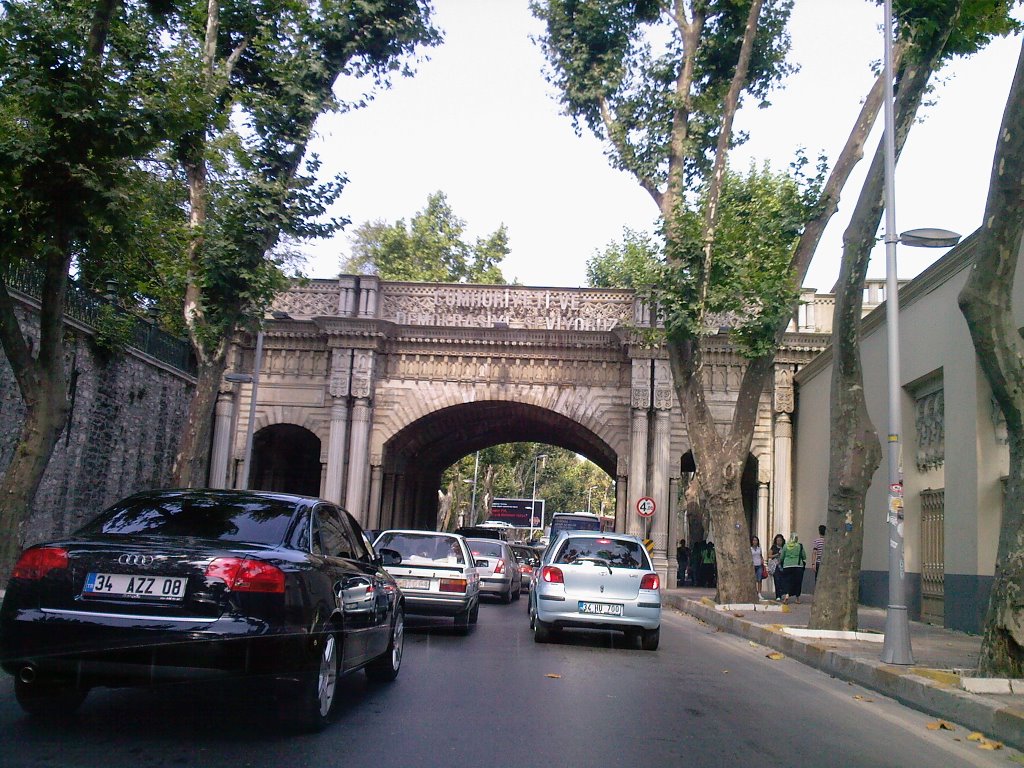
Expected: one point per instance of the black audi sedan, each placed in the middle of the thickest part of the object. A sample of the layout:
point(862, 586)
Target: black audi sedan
point(187, 584)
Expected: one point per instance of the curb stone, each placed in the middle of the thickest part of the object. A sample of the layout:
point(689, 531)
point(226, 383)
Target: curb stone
point(931, 696)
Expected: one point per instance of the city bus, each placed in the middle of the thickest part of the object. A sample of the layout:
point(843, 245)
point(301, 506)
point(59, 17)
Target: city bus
point(574, 521)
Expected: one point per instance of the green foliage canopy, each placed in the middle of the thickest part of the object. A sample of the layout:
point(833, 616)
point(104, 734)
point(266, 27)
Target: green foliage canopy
point(429, 248)
point(635, 262)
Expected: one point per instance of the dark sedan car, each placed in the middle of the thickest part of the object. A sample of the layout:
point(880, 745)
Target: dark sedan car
point(179, 585)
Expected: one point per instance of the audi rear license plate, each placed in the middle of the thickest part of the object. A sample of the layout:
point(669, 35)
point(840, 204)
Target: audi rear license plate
point(413, 583)
point(601, 609)
point(134, 586)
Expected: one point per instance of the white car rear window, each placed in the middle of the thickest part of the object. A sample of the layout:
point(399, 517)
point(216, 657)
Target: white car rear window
point(618, 553)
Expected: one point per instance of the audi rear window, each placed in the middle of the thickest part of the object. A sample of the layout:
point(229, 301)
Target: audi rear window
point(260, 521)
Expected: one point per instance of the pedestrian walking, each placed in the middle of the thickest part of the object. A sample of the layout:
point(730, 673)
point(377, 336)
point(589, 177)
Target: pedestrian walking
point(817, 550)
point(793, 561)
point(757, 556)
point(774, 568)
point(682, 562)
point(710, 568)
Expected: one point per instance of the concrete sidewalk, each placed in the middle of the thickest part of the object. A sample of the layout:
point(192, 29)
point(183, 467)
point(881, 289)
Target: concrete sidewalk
point(932, 684)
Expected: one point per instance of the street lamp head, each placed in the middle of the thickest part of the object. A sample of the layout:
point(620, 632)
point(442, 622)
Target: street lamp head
point(238, 378)
point(929, 237)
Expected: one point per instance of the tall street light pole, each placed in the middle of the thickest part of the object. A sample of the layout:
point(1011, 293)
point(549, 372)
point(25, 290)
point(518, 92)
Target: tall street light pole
point(533, 503)
point(254, 380)
point(896, 648)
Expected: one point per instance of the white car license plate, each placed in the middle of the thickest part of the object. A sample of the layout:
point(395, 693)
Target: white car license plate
point(601, 609)
point(134, 586)
point(413, 583)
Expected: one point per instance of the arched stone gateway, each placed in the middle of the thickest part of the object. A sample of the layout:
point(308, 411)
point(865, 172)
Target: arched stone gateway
point(399, 380)
point(415, 457)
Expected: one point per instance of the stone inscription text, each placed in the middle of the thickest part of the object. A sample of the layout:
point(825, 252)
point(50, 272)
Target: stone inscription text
point(517, 308)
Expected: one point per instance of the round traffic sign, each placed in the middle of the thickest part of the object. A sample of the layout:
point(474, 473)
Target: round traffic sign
point(645, 506)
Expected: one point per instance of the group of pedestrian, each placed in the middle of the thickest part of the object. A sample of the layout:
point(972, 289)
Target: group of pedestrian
point(699, 565)
point(786, 563)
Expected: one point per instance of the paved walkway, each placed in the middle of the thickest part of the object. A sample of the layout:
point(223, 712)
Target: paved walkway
point(931, 684)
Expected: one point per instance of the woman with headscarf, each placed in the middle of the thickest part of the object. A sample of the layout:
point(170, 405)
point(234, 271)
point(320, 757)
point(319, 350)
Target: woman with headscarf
point(793, 561)
point(774, 568)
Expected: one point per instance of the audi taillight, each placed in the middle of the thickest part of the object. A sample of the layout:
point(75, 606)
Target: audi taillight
point(552, 575)
point(243, 574)
point(499, 566)
point(37, 562)
point(650, 581)
point(452, 585)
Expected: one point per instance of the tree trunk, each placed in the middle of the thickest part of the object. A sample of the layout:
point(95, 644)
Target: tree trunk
point(987, 303)
point(719, 470)
point(191, 467)
point(854, 449)
point(42, 382)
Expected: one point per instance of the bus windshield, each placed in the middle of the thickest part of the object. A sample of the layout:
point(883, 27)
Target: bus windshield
point(564, 521)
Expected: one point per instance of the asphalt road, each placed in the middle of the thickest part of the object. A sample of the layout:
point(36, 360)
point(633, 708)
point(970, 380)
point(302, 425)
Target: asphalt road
point(497, 699)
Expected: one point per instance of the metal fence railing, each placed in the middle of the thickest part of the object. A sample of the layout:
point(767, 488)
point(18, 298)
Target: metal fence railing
point(86, 306)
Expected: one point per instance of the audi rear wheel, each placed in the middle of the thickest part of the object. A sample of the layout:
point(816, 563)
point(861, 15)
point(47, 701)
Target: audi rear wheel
point(385, 667)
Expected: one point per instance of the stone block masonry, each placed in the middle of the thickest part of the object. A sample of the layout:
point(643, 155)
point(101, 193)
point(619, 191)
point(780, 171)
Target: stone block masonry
point(128, 411)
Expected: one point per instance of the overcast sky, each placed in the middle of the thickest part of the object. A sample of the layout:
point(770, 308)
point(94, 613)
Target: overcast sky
point(479, 123)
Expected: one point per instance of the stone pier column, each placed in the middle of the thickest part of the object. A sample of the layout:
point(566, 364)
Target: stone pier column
point(640, 401)
point(223, 416)
point(376, 489)
point(338, 388)
point(763, 529)
point(359, 461)
point(359, 446)
point(621, 494)
point(637, 470)
point(673, 532)
point(782, 474)
point(336, 450)
point(664, 396)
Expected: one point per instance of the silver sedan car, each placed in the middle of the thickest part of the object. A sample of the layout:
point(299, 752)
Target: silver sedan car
point(500, 575)
point(600, 581)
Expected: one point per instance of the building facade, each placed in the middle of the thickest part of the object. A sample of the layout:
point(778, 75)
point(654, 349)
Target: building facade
point(955, 458)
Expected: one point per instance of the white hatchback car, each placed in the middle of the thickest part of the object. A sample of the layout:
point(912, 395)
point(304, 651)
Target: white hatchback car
point(597, 580)
point(437, 574)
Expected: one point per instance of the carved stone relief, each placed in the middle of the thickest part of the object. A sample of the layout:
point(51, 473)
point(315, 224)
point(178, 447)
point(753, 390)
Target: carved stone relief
point(362, 372)
point(929, 422)
point(341, 370)
point(784, 401)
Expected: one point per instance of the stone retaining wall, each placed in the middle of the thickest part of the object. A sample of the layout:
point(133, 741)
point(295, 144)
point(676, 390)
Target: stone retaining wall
point(128, 411)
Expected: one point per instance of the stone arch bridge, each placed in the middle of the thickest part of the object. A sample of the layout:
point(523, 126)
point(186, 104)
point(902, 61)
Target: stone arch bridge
point(368, 390)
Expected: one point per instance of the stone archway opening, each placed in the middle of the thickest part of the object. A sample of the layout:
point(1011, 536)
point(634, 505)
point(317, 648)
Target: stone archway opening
point(286, 458)
point(416, 457)
point(696, 517)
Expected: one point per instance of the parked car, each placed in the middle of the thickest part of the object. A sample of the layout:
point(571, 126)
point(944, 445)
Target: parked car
point(501, 576)
point(437, 574)
point(174, 585)
point(527, 558)
point(597, 580)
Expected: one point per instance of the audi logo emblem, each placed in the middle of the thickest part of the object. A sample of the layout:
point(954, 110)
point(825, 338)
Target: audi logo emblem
point(135, 559)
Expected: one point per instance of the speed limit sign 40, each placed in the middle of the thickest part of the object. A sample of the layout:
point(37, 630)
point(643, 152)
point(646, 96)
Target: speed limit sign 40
point(645, 506)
